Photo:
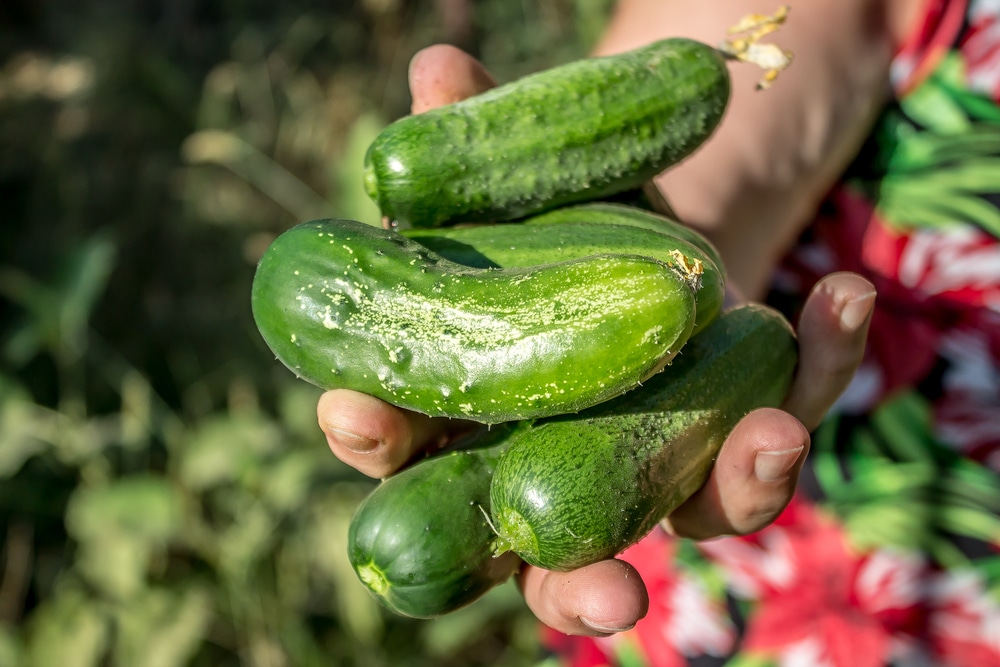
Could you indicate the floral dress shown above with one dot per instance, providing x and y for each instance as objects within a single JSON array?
[{"x": 890, "y": 553}]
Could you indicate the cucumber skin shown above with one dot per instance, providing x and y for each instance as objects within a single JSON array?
[
  {"x": 609, "y": 213},
  {"x": 582, "y": 131},
  {"x": 524, "y": 245},
  {"x": 574, "y": 490},
  {"x": 426, "y": 532},
  {"x": 347, "y": 305}
]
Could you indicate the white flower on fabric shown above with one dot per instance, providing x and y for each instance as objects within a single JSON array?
[
  {"x": 890, "y": 579},
  {"x": 959, "y": 258},
  {"x": 965, "y": 613},
  {"x": 699, "y": 629}
]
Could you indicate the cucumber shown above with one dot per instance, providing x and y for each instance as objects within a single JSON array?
[
  {"x": 421, "y": 541},
  {"x": 581, "y": 131},
  {"x": 525, "y": 245},
  {"x": 344, "y": 304},
  {"x": 609, "y": 213},
  {"x": 574, "y": 490}
]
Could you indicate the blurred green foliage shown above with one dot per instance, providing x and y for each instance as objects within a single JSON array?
[{"x": 165, "y": 495}]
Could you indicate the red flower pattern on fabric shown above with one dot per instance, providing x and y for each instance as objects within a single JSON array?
[
  {"x": 965, "y": 623},
  {"x": 966, "y": 415},
  {"x": 812, "y": 600},
  {"x": 980, "y": 48},
  {"x": 820, "y": 602},
  {"x": 683, "y": 621},
  {"x": 928, "y": 43},
  {"x": 854, "y": 238}
]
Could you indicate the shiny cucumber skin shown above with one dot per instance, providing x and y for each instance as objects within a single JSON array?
[
  {"x": 525, "y": 245},
  {"x": 581, "y": 131},
  {"x": 421, "y": 541},
  {"x": 347, "y": 305},
  {"x": 578, "y": 489},
  {"x": 608, "y": 213}
]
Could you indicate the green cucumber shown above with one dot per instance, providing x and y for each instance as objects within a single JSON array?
[
  {"x": 422, "y": 542},
  {"x": 581, "y": 131},
  {"x": 344, "y": 304},
  {"x": 525, "y": 245},
  {"x": 610, "y": 213},
  {"x": 577, "y": 489}
]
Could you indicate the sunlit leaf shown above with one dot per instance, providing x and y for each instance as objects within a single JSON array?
[
  {"x": 119, "y": 527},
  {"x": 69, "y": 630},
  {"x": 136, "y": 410},
  {"x": 245, "y": 539},
  {"x": 26, "y": 429},
  {"x": 162, "y": 627},
  {"x": 290, "y": 479},
  {"x": 223, "y": 448},
  {"x": 450, "y": 633},
  {"x": 115, "y": 563},
  {"x": 146, "y": 507},
  {"x": 327, "y": 538}
]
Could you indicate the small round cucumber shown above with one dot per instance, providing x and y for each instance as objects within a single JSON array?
[
  {"x": 348, "y": 305},
  {"x": 582, "y": 131},
  {"x": 577, "y": 489},
  {"x": 524, "y": 245},
  {"x": 421, "y": 541}
]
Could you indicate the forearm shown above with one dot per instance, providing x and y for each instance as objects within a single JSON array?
[{"x": 758, "y": 180}]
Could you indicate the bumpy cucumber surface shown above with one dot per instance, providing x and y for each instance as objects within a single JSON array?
[
  {"x": 581, "y": 131},
  {"x": 421, "y": 541},
  {"x": 526, "y": 245},
  {"x": 573, "y": 490},
  {"x": 344, "y": 304}
]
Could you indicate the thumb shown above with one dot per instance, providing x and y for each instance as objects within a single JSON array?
[{"x": 443, "y": 74}]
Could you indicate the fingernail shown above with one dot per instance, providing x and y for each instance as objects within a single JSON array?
[
  {"x": 855, "y": 311},
  {"x": 774, "y": 466},
  {"x": 604, "y": 629},
  {"x": 351, "y": 441}
]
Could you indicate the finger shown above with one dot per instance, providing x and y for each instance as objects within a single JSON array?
[
  {"x": 443, "y": 74},
  {"x": 752, "y": 480},
  {"x": 832, "y": 331},
  {"x": 373, "y": 436},
  {"x": 596, "y": 600}
]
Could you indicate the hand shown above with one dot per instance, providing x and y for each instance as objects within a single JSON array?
[{"x": 758, "y": 466}]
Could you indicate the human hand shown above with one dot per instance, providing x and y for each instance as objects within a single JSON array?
[{"x": 756, "y": 471}]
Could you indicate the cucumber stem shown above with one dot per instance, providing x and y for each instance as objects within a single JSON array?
[
  {"x": 746, "y": 48},
  {"x": 514, "y": 533}
]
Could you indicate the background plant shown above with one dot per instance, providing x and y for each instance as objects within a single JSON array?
[{"x": 165, "y": 496}]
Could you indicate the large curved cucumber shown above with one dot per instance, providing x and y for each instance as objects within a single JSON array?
[
  {"x": 526, "y": 245},
  {"x": 344, "y": 304}
]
